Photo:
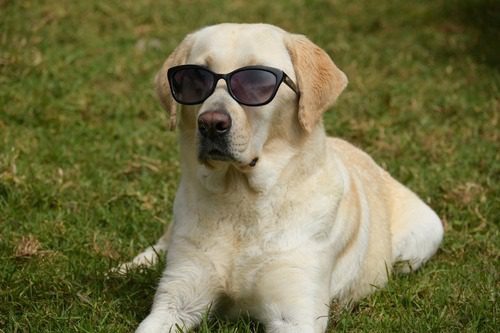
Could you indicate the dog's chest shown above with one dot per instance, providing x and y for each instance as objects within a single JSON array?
[
  {"x": 244, "y": 237},
  {"x": 272, "y": 223}
]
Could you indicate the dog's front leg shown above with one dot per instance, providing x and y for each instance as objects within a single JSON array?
[
  {"x": 186, "y": 291},
  {"x": 298, "y": 316},
  {"x": 296, "y": 299}
]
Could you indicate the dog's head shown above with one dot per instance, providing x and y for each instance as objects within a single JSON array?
[{"x": 224, "y": 129}]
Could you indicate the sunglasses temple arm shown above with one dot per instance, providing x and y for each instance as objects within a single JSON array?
[{"x": 290, "y": 83}]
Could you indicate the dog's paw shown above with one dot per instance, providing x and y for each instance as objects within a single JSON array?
[
  {"x": 124, "y": 268},
  {"x": 144, "y": 260},
  {"x": 155, "y": 323}
]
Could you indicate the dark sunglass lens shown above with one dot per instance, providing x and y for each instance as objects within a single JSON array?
[
  {"x": 192, "y": 85},
  {"x": 253, "y": 86}
]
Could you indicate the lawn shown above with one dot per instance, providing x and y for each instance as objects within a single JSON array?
[{"x": 88, "y": 168}]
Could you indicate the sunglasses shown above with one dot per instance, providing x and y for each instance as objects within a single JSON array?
[{"x": 251, "y": 86}]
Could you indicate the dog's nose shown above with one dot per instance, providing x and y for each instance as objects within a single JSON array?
[{"x": 213, "y": 124}]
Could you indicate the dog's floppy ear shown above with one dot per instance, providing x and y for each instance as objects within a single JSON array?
[
  {"x": 320, "y": 82},
  {"x": 177, "y": 57}
]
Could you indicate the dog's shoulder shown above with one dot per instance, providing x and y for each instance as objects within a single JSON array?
[{"x": 352, "y": 156}]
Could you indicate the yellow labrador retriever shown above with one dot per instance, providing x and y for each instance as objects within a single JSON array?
[{"x": 272, "y": 218}]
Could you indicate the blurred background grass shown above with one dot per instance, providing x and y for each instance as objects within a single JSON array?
[{"x": 88, "y": 170}]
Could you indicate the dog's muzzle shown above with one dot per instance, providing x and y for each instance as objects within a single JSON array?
[{"x": 213, "y": 130}]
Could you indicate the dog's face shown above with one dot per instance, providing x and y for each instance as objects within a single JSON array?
[
  {"x": 240, "y": 131},
  {"x": 224, "y": 131}
]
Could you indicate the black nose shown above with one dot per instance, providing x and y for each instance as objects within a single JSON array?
[{"x": 214, "y": 124}]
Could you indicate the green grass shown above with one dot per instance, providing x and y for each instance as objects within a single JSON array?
[{"x": 88, "y": 170}]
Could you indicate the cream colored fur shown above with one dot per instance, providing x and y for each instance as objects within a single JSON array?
[{"x": 315, "y": 220}]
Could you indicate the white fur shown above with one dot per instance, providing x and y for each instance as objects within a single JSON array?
[{"x": 316, "y": 219}]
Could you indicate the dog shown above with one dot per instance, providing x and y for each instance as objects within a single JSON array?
[{"x": 272, "y": 218}]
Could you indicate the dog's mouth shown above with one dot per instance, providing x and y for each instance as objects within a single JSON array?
[
  {"x": 214, "y": 155},
  {"x": 216, "y": 150},
  {"x": 212, "y": 151},
  {"x": 207, "y": 157}
]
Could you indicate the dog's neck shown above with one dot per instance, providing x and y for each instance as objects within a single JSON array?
[{"x": 279, "y": 161}]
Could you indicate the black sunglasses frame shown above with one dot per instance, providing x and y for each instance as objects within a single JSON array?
[{"x": 279, "y": 74}]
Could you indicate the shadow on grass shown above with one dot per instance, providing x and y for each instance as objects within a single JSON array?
[{"x": 482, "y": 19}]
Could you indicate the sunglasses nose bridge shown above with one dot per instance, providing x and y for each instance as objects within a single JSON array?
[
  {"x": 216, "y": 84},
  {"x": 223, "y": 77}
]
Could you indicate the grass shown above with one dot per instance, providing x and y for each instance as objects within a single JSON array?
[{"x": 88, "y": 170}]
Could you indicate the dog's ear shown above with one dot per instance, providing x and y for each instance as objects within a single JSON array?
[
  {"x": 177, "y": 57},
  {"x": 319, "y": 80}
]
